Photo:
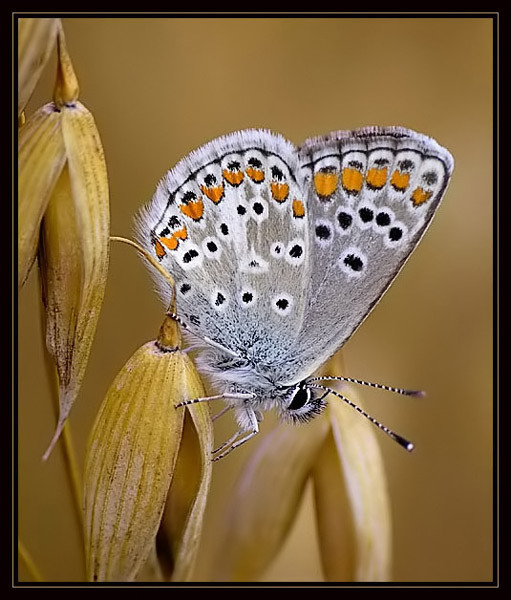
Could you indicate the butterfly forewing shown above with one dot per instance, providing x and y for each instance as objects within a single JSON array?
[{"x": 370, "y": 195}]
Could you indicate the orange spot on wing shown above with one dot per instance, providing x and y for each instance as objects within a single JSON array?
[
  {"x": 400, "y": 180},
  {"x": 298, "y": 209},
  {"x": 171, "y": 243},
  {"x": 257, "y": 175},
  {"x": 376, "y": 178},
  {"x": 233, "y": 177},
  {"x": 279, "y": 191},
  {"x": 194, "y": 209},
  {"x": 159, "y": 249},
  {"x": 325, "y": 183},
  {"x": 352, "y": 180},
  {"x": 181, "y": 234},
  {"x": 215, "y": 194},
  {"x": 419, "y": 196}
]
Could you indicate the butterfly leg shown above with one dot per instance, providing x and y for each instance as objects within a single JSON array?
[
  {"x": 226, "y": 396},
  {"x": 249, "y": 427}
]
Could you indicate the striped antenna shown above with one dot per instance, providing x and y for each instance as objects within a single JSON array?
[
  {"x": 397, "y": 438},
  {"x": 379, "y": 386}
]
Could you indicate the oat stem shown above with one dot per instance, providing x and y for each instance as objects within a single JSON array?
[
  {"x": 148, "y": 257},
  {"x": 67, "y": 440},
  {"x": 73, "y": 472},
  {"x": 24, "y": 555},
  {"x": 69, "y": 454},
  {"x": 70, "y": 459}
]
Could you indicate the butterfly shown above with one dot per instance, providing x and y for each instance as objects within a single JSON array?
[{"x": 279, "y": 253}]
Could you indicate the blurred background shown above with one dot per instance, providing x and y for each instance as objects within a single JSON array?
[{"x": 160, "y": 87}]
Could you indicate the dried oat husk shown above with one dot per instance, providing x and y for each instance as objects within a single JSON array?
[{"x": 136, "y": 454}]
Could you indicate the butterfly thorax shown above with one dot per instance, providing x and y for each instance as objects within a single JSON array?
[
  {"x": 239, "y": 374},
  {"x": 258, "y": 386}
]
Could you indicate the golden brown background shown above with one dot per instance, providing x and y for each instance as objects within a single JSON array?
[{"x": 158, "y": 88}]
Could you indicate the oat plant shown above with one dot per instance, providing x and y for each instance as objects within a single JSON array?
[{"x": 148, "y": 465}]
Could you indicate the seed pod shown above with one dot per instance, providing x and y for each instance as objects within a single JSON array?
[
  {"x": 132, "y": 455},
  {"x": 352, "y": 465},
  {"x": 63, "y": 176},
  {"x": 41, "y": 157},
  {"x": 265, "y": 499}
]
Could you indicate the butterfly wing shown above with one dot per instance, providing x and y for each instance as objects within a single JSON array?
[
  {"x": 370, "y": 196},
  {"x": 229, "y": 224},
  {"x": 279, "y": 254}
]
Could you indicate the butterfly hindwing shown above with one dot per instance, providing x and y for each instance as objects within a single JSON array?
[{"x": 229, "y": 223}]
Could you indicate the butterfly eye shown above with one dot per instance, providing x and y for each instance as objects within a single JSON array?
[
  {"x": 299, "y": 398},
  {"x": 304, "y": 403}
]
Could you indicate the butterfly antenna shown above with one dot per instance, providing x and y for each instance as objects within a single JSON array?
[
  {"x": 379, "y": 386},
  {"x": 397, "y": 438}
]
